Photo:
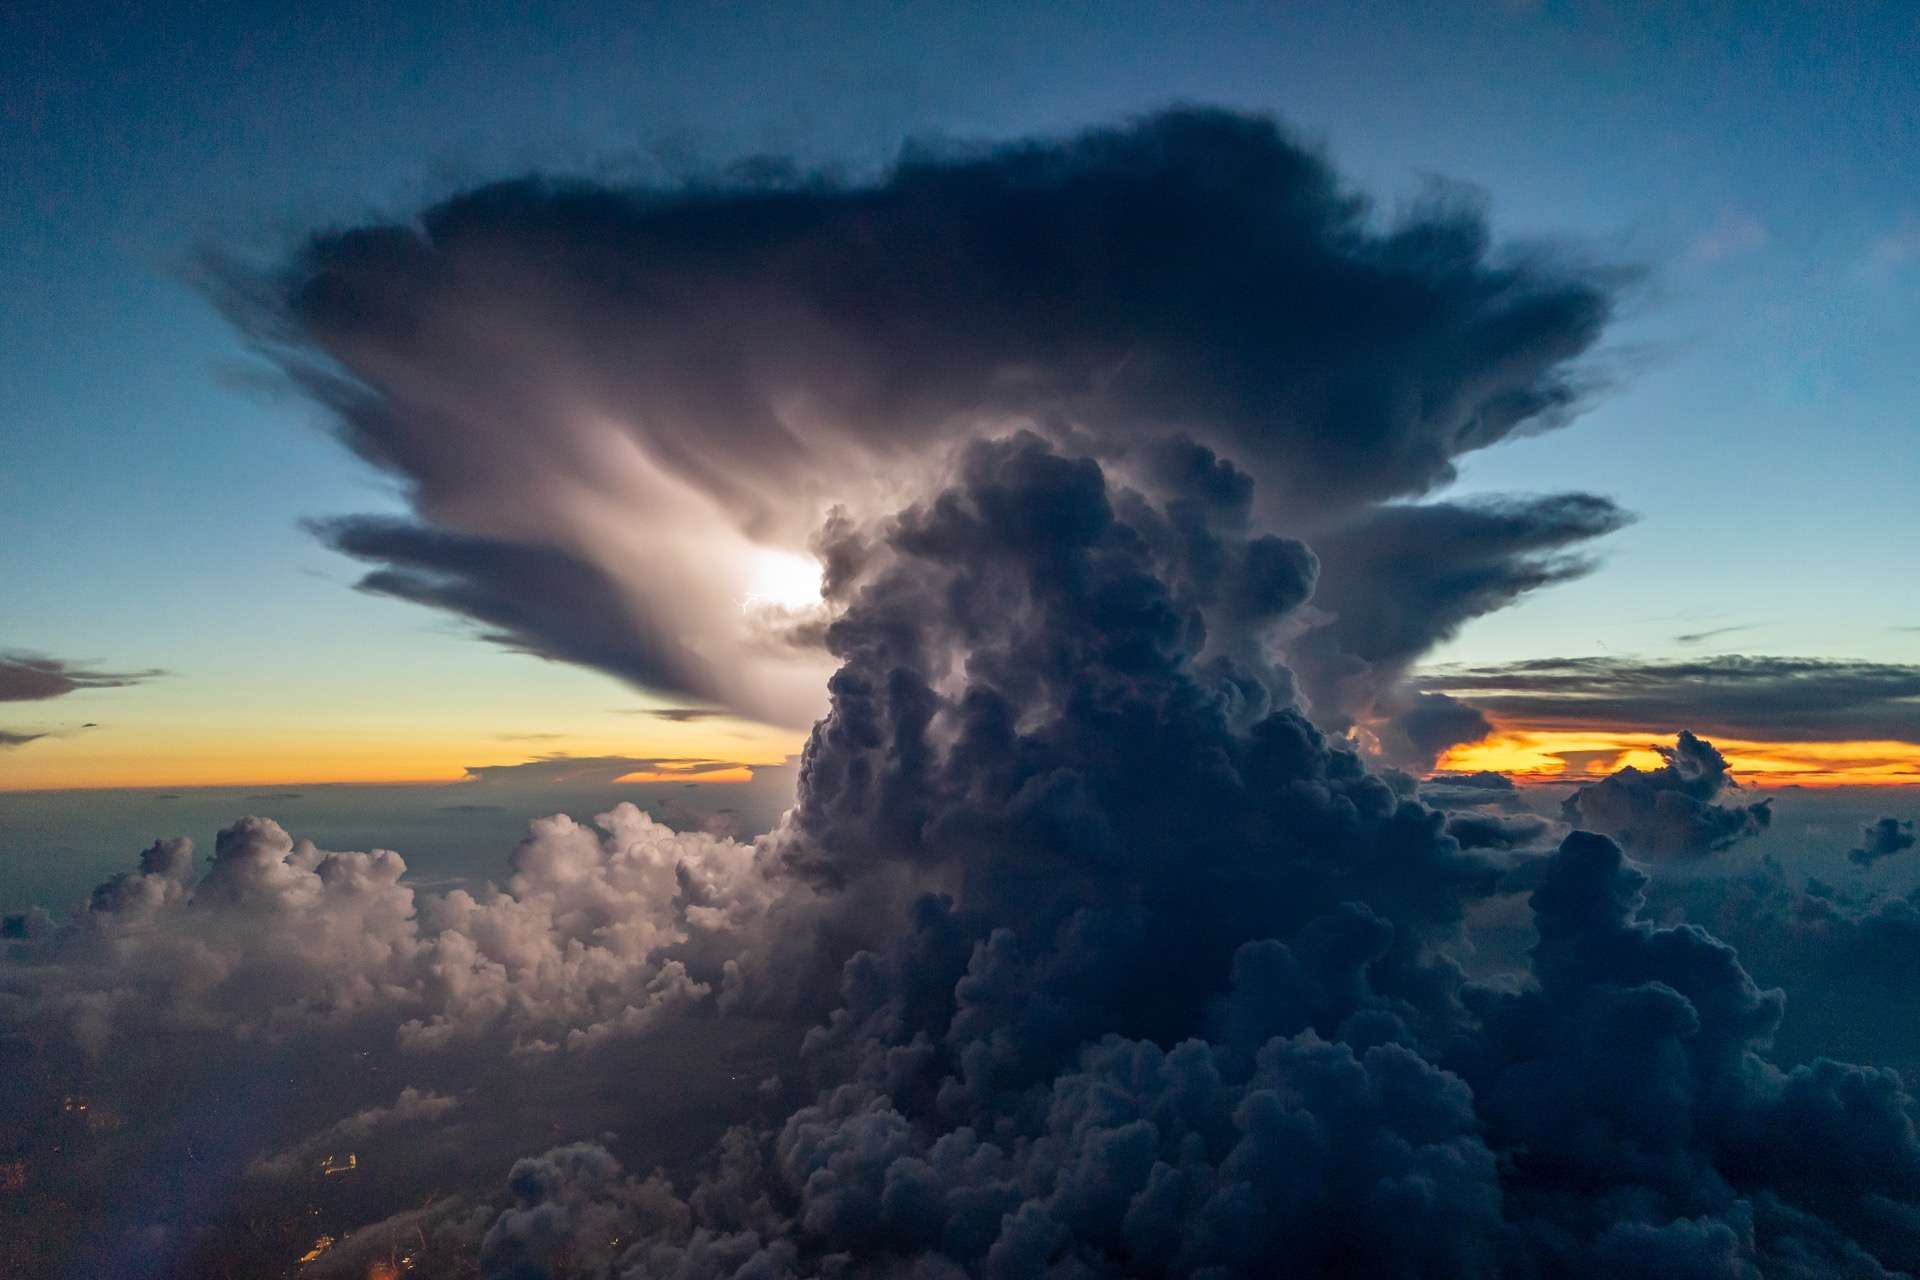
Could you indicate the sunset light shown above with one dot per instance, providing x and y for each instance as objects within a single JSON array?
[
  {"x": 862, "y": 641},
  {"x": 781, "y": 580},
  {"x": 1554, "y": 755}
]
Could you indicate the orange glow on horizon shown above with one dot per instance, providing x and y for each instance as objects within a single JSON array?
[
  {"x": 1562, "y": 755},
  {"x": 733, "y": 773},
  {"x": 727, "y": 754}
]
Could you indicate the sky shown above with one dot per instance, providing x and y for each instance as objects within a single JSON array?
[
  {"x": 871, "y": 641},
  {"x": 1756, "y": 162}
]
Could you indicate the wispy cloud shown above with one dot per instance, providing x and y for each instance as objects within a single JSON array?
[
  {"x": 1696, "y": 637},
  {"x": 1744, "y": 697},
  {"x": 679, "y": 715},
  {"x": 560, "y": 768},
  {"x": 27, "y": 677}
]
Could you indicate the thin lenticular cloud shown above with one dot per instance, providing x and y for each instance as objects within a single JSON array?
[{"x": 1739, "y": 696}]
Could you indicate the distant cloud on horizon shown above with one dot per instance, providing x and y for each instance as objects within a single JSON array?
[{"x": 1754, "y": 698}]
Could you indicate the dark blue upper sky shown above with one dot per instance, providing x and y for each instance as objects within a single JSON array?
[{"x": 1763, "y": 161}]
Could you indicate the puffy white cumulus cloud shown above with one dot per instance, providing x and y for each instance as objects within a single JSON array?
[
  {"x": 279, "y": 937},
  {"x": 575, "y": 940}
]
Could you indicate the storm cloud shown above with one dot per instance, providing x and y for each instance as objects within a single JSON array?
[
  {"x": 1082, "y": 950},
  {"x": 606, "y": 401},
  {"x": 1099, "y": 957}
]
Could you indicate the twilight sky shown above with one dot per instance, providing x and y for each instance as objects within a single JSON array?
[
  {"x": 1760, "y": 422},
  {"x": 1063, "y": 641}
]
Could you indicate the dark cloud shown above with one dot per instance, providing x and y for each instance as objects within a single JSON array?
[
  {"x": 1015, "y": 1085},
  {"x": 1670, "y": 812},
  {"x": 531, "y": 599},
  {"x": 561, "y": 768},
  {"x": 26, "y": 677},
  {"x": 1425, "y": 725},
  {"x": 8, "y": 738},
  {"x": 599, "y": 397},
  {"x": 1101, "y": 960},
  {"x": 1082, "y": 950},
  {"x": 1483, "y": 780},
  {"x": 1698, "y": 637},
  {"x": 679, "y": 715},
  {"x": 1846, "y": 958},
  {"x": 1494, "y": 831},
  {"x": 1484, "y": 789},
  {"x": 1401, "y": 579},
  {"x": 1882, "y": 838},
  {"x": 1793, "y": 699}
]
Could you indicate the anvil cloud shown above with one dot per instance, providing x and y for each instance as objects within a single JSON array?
[
  {"x": 1084, "y": 949},
  {"x": 605, "y": 401}
]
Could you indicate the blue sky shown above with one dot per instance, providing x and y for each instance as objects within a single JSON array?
[{"x": 1760, "y": 161}]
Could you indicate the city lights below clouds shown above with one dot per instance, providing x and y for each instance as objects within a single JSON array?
[{"x": 1557, "y": 755}]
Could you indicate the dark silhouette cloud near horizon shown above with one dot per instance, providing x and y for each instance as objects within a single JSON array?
[
  {"x": 1882, "y": 838},
  {"x": 1737, "y": 696}
]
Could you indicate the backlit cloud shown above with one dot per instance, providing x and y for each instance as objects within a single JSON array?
[
  {"x": 615, "y": 408},
  {"x": 1082, "y": 950}
]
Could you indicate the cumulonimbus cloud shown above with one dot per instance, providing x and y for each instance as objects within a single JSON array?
[
  {"x": 610, "y": 404},
  {"x": 1099, "y": 957},
  {"x": 1088, "y": 952}
]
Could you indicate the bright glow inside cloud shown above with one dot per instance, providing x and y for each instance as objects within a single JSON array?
[{"x": 781, "y": 580}]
